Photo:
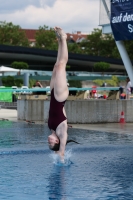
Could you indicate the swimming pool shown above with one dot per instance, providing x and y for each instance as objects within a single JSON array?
[{"x": 101, "y": 167}]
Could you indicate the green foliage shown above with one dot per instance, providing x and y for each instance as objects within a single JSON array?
[
  {"x": 114, "y": 81},
  {"x": 19, "y": 65},
  {"x": 31, "y": 82},
  {"x": 68, "y": 66},
  {"x": 46, "y": 38},
  {"x": 11, "y": 81},
  {"x": 102, "y": 66},
  {"x": 11, "y": 34},
  {"x": 111, "y": 83},
  {"x": 74, "y": 48},
  {"x": 115, "y": 53},
  {"x": 93, "y": 43},
  {"x": 73, "y": 83},
  {"x": 129, "y": 48},
  {"x": 99, "y": 82},
  {"x": 18, "y": 82},
  {"x": 98, "y": 44}
]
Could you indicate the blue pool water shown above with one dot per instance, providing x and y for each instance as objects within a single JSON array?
[{"x": 100, "y": 168}]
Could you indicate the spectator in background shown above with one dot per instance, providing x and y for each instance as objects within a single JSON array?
[
  {"x": 122, "y": 95},
  {"x": 38, "y": 84},
  {"x": 104, "y": 84},
  {"x": 87, "y": 94},
  {"x": 90, "y": 94},
  {"x": 94, "y": 92},
  {"x": 128, "y": 88},
  {"x": 104, "y": 96}
]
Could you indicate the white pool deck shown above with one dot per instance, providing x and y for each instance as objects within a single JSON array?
[{"x": 11, "y": 115}]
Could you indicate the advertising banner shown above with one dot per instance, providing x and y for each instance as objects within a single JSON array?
[
  {"x": 122, "y": 19},
  {"x": 6, "y": 96}
]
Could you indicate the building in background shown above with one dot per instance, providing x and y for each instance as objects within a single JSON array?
[{"x": 75, "y": 37}]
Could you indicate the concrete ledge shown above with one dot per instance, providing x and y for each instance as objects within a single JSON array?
[
  {"x": 32, "y": 97},
  {"x": 79, "y": 111},
  {"x": 98, "y": 111},
  {"x": 31, "y": 110}
]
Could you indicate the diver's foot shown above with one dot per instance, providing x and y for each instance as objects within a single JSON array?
[
  {"x": 60, "y": 33},
  {"x": 57, "y": 34}
]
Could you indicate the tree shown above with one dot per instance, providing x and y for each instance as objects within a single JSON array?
[
  {"x": 92, "y": 43},
  {"x": 19, "y": 65},
  {"x": 129, "y": 48},
  {"x": 102, "y": 66},
  {"x": 31, "y": 82},
  {"x": 107, "y": 46},
  {"x": 73, "y": 83},
  {"x": 98, "y": 44},
  {"x": 11, "y": 34},
  {"x": 11, "y": 81},
  {"x": 74, "y": 48},
  {"x": 46, "y": 38}
]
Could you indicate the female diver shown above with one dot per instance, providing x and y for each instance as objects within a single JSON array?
[{"x": 57, "y": 121}]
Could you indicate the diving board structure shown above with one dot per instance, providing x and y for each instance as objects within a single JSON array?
[{"x": 116, "y": 17}]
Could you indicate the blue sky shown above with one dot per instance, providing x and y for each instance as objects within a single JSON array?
[{"x": 71, "y": 15}]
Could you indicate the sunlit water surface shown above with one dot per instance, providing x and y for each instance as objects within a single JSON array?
[{"x": 99, "y": 168}]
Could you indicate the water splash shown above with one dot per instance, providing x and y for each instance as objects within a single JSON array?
[{"x": 65, "y": 162}]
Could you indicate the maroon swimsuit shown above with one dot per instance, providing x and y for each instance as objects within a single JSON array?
[{"x": 56, "y": 115}]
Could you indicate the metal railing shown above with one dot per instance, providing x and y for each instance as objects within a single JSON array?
[{"x": 46, "y": 89}]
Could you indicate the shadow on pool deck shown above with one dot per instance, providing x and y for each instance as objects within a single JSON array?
[{"x": 11, "y": 115}]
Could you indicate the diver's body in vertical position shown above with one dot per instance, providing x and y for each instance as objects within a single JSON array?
[{"x": 57, "y": 121}]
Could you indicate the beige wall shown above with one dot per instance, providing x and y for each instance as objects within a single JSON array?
[{"x": 79, "y": 111}]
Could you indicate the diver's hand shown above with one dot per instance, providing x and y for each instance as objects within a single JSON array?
[{"x": 62, "y": 159}]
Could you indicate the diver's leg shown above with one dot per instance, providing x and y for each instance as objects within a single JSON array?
[
  {"x": 60, "y": 85},
  {"x": 52, "y": 82}
]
